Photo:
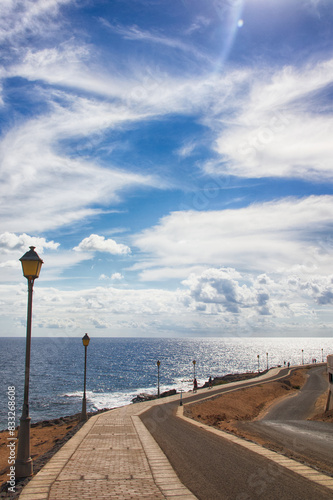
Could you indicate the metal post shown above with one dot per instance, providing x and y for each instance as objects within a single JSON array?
[
  {"x": 267, "y": 361},
  {"x": 84, "y": 400},
  {"x": 158, "y": 378},
  {"x": 258, "y": 356},
  {"x": 23, "y": 463},
  {"x": 302, "y": 357},
  {"x": 194, "y": 380}
]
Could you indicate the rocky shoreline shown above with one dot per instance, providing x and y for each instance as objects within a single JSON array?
[{"x": 225, "y": 379}]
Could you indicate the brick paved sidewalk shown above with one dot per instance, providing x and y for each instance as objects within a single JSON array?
[{"x": 111, "y": 456}]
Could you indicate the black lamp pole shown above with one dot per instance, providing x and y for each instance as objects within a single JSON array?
[
  {"x": 31, "y": 266},
  {"x": 158, "y": 378},
  {"x": 85, "y": 341}
]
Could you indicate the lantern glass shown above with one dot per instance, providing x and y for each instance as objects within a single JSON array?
[
  {"x": 86, "y": 340},
  {"x": 31, "y": 264}
]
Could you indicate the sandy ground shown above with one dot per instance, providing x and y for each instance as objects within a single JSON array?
[
  {"x": 222, "y": 411},
  {"x": 44, "y": 437},
  {"x": 225, "y": 411}
]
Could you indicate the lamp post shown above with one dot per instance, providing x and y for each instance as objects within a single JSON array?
[
  {"x": 302, "y": 356},
  {"x": 158, "y": 377},
  {"x": 322, "y": 355},
  {"x": 85, "y": 341},
  {"x": 258, "y": 356},
  {"x": 267, "y": 361},
  {"x": 31, "y": 266},
  {"x": 194, "y": 379}
]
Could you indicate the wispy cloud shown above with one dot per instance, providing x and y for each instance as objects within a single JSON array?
[
  {"x": 138, "y": 34},
  {"x": 275, "y": 237},
  {"x": 280, "y": 128},
  {"x": 31, "y": 17},
  {"x": 42, "y": 187}
]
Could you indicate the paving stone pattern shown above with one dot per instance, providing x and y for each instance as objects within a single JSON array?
[{"x": 113, "y": 456}]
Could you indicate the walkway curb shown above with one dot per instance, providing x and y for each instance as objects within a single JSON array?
[{"x": 288, "y": 463}]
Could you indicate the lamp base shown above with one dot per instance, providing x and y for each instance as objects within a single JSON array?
[
  {"x": 23, "y": 469},
  {"x": 84, "y": 410},
  {"x": 23, "y": 462}
]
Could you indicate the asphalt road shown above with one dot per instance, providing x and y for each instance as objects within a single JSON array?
[
  {"x": 216, "y": 469},
  {"x": 285, "y": 425},
  {"x": 299, "y": 407}
]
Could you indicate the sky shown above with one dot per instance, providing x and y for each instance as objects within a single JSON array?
[{"x": 172, "y": 164}]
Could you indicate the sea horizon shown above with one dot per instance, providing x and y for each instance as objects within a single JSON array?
[{"x": 119, "y": 368}]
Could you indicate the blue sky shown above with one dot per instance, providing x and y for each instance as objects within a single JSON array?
[{"x": 172, "y": 164}]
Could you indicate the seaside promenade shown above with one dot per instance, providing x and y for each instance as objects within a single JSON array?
[{"x": 113, "y": 456}]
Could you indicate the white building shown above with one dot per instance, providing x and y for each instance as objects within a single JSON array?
[{"x": 329, "y": 404}]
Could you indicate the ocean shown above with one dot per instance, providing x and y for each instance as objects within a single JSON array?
[{"x": 120, "y": 368}]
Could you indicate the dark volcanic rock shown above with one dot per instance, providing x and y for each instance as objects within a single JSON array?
[{"x": 139, "y": 398}]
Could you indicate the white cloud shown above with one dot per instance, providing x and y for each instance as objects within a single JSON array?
[
  {"x": 269, "y": 237},
  {"x": 138, "y": 34},
  {"x": 187, "y": 149},
  {"x": 113, "y": 277},
  {"x": 42, "y": 188},
  {"x": 117, "y": 276},
  {"x": 217, "y": 300},
  {"x": 96, "y": 243},
  {"x": 30, "y": 16},
  {"x": 280, "y": 128},
  {"x": 222, "y": 291},
  {"x": 11, "y": 241}
]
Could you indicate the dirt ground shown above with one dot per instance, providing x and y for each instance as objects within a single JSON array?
[
  {"x": 44, "y": 436},
  {"x": 247, "y": 404},
  {"x": 224, "y": 412}
]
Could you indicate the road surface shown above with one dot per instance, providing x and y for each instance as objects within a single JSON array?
[
  {"x": 216, "y": 469},
  {"x": 286, "y": 427}
]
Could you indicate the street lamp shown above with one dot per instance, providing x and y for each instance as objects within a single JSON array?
[
  {"x": 302, "y": 357},
  {"x": 31, "y": 266},
  {"x": 85, "y": 341},
  {"x": 258, "y": 356},
  {"x": 195, "y": 385},
  {"x": 322, "y": 355},
  {"x": 158, "y": 377},
  {"x": 267, "y": 361}
]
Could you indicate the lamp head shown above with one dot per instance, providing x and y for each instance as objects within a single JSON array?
[
  {"x": 31, "y": 264},
  {"x": 158, "y": 362},
  {"x": 86, "y": 340}
]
